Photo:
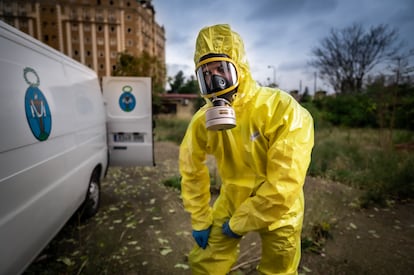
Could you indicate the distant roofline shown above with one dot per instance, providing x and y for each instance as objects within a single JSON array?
[{"x": 179, "y": 96}]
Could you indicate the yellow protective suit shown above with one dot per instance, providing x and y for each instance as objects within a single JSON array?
[{"x": 262, "y": 163}]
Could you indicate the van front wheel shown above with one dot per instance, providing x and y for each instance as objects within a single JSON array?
[{"x": 93, "y": 196}]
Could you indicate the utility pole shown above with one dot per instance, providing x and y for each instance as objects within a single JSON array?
[{"x": 274, "y": 73}]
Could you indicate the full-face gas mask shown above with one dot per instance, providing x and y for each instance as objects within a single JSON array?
[{"x": 218, "y": 79}]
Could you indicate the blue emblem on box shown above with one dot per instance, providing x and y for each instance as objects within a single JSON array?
[
  {"x": 37, "y": 109},
  {"x": 127, "y": 99}
]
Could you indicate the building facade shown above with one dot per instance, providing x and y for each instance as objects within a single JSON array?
[{"x": 92, "y": 32}]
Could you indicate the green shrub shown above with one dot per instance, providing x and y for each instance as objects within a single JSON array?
[{"x": 351, "y": 110}]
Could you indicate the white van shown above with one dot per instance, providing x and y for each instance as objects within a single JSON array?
[{"x": 53, "y": 145}]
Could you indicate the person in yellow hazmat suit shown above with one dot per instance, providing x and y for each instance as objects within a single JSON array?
[{"x": 262, "y": 140}]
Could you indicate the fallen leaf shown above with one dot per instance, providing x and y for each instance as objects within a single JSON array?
[
  {"x": 162, "y": 241},
  {"x": 75, "y": 253},
  {"x": 131, "y": 225},
  {"x": 166, "y": 250},
  {"x": 182, "y": 266},
  {"x": 307, "y": 269},
  {"x": 66, "y": 261}
]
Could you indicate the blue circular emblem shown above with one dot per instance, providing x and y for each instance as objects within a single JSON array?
[
  {"x": 127, "y": 99},
  {"x": 37, "y": 109}
]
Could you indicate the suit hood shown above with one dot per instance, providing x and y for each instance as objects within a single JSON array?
[{"x": 221, "y": 39}]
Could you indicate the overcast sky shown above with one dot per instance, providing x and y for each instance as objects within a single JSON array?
[{"x": 277, "y": 33}]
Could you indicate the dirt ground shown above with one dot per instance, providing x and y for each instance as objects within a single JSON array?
[{"x": 142, "y": 228}]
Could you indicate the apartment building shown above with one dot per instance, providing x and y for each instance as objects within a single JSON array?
[{"x": 90, "y": 31}]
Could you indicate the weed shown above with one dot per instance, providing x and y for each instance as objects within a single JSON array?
[
  {"x": 319, "y": 234},
  {"x": 174, "y": 182}
]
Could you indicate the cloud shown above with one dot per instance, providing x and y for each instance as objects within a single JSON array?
[{"x": 280, "y": 33}]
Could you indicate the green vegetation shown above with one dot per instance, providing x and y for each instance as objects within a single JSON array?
[
  {"x": 170, "y": 129},
  {"x": 319, "y": 234},
  {"x": 356, "y": 157},
  {"x": 353, "y": 156},
  {"x": 174, "y": 182}
]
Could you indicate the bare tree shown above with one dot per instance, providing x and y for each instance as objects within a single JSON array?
[
  {"x": 345, "y": 57},
  {"x": 401, "y": 66}
]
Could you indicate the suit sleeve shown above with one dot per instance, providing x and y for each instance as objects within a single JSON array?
[{"x": 195, "y": 179}]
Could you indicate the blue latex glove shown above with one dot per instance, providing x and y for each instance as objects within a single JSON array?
[
  {"x": 201, "y": 237},
  {"x": 228, "y": 232}
]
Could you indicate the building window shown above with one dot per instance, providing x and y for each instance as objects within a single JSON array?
[
  {"x": 86, "y": 14},
  {"x": 112, "y": 17},
  {"x": 8, "y": 8},
  {"x": 73, "y": 13},
  {"x": 100, "y": 41},
  {"x": 99, "y": 15},
  {"x": 130, "y": 43}
]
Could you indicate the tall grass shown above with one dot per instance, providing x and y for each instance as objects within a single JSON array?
[
  {"x": 170, "y": 129},
  {"x": 357, "y": 157}
]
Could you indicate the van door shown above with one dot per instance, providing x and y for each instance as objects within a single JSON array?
[{"x": 128, "y": 103}]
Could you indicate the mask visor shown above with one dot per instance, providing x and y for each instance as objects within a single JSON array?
[{"x": 216, "y": 76}]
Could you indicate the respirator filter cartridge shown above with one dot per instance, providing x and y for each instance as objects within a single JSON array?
[{"x": 220, "y": 118}]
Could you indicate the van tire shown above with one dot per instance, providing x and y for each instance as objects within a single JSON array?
[{"x": 93, "y": 197}]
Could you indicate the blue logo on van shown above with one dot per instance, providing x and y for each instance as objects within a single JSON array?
[
  {"x": 37, "y": 109},
  {"x": 127, "y": 99}
]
